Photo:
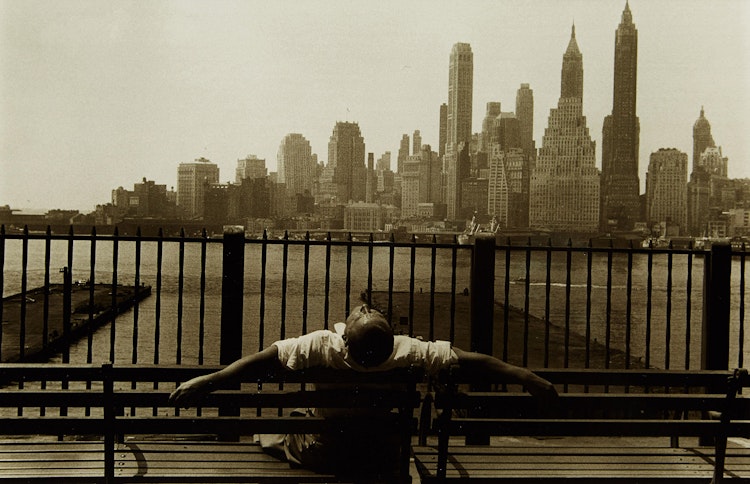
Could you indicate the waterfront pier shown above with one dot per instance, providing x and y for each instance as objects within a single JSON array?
[{"x": 35, "y": 326}]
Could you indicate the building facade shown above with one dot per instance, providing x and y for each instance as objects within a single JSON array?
[
  {"x": 192, "y": 182},
  {"x": 250, "y": 167},
  {"x": 564, "y": 185},
  {"x": 296, "y": 165},
  {"x": 666, "y": 189},
  {"x": 458, "y": 123},
  {"x": 620, "y": 191},
  {"x": 346, "y": 163}
]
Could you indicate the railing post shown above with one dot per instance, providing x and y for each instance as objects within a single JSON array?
[
  {"x": 482, "y": 309},
  {"x": 482, "y": 293},
  {"x": 717, "y": 271},
  {"x": 232, "y": 282}
]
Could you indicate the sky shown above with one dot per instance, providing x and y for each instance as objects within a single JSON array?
[{"x": 98, "y": 94}]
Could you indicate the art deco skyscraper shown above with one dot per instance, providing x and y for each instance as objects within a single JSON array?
[
  {"x": 295, "y": 164},
  {"x": 620, "y": 202},
  {"x": 564, "y": 185},
  {"x": 443, "y": 129},
  {"x": 460, "y": 93}
]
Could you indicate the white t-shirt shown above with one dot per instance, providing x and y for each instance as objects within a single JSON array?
[{"x": 324, "y": 348}]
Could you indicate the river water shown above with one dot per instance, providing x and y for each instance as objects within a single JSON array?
[{"x": 137, "y": 332}]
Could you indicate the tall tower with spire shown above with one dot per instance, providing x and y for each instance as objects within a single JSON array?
[
  {"x": 620, "y": 201},
  {"x": 564, "y": 185}
]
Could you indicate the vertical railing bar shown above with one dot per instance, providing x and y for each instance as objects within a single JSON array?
[
  {"x": 180, "y": 295},
  {"x": 433, "y": 260},
  {"x": 327, "y": 283},
  {"x": 45, "y": 309},
  {"x": 526, "y": 302},
  {"x": 370, "y": 249},
  {"x": 668, "y": 315},
  {"x": 112, "y": 324},
  {"x": 348, "y": 274},
  {"x": 305, "y": 282},
  {"x": 568, "y": 264},
  {"x": 262, "y": 315},
  {"x": 66, "y": 316},
  {"x": 688, "y": 304},
  {"x": 608, "y": 313},
  {"x": 284, "y": 282},
  {"x": 391, "y": 263},
  {"x": 137, "y": 288},
  {"x": 412, "y": 264},
  {"x": 92, "y": 298},
  {"x": 649, "y": 287},
  {"x": 24, "y": 289},
  {"x": 157, "y": 304},
  {"x": 202, "y": 308},
  {"x": 506, "y": 302},
  {"x": 2, "y": 283},
  {"x": 547, "y": 296},
  {"x": 454, "y": 265},
  {"x": 589, "y": 285},
  {"x": 741, "y": 358},
  {"x": 628, "y": 306}
]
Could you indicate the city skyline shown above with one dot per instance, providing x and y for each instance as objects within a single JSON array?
[{"x": 81, "y": 118}]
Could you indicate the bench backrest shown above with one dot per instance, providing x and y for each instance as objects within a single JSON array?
[
  {"x": 133, "y": 399},
  {"x": 595, "y": 403}
]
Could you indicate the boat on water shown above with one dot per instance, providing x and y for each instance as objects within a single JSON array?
[{"x": 473, "y": 228}]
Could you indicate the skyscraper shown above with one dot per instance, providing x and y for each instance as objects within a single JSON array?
[
  {"x": 488, "y": 125},
  {"x": 346, "y": 156},
  {"x": 295, "y": 164},
  {"x": 416, "y": 142},
  {"x": 525, "y": 115},
  {"x": 443, "y": 129},
  {"x": 460, "y": 92},
  {"x": 458, "y": 129},
  {"x": 192, "y": 181},
  {"x": 702, "y": 138},
  {"x": 564, "y": 186},
  {"x": 403, "y": 153},
  {"x": 620, "y": 202},
  {"x": 666, "y": 189}
]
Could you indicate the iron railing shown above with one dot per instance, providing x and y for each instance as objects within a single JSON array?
[{"x": 578, "y": 305}]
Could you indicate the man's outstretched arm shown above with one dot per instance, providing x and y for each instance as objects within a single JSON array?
[
  {"x": 493, "y": 368},
  {"x": 249, "y": 367}
]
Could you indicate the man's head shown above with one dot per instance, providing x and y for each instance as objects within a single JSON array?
[{"x": 368, "y": 336}]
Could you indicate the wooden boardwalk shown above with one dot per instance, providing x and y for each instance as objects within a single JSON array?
[
  {"x": 506, "y": 460},
  {"x": 585, "y": 459}
]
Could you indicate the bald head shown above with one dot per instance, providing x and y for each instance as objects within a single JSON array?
[{"x": 369, "y": 337}]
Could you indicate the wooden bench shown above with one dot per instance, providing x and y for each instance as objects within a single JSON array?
[
  {"x": 89, "y": 423},
  {"x": 604, "y": 426}
]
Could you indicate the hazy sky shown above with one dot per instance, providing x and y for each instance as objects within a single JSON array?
[{"x": 99, "y": 94}]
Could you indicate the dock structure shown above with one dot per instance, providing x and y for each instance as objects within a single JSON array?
[{"x": 33, "y": 323}]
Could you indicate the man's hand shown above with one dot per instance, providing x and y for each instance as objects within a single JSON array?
[
  {"x": 543, "y": 391},
  {"x": 190, "y": 392}
]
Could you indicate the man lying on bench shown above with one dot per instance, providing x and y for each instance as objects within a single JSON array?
[{"x": 365, "y": 342}]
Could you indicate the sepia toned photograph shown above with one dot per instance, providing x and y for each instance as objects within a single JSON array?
[{"x": 374, "y": 242}]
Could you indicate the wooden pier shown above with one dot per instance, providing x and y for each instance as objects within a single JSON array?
[{"x": 23, "y": 322}]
